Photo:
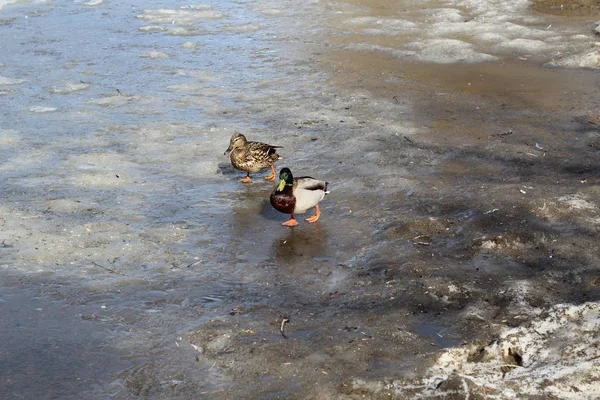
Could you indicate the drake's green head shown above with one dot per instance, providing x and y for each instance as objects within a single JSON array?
[{"x": 285, "y": 178}]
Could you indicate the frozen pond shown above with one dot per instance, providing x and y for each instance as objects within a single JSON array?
[{"x": 460, "y": 139}]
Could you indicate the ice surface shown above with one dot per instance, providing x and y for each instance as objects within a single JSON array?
[
  {"x": 552, "y": 363},
  {"x": 42, "y": 109},
  {"x": 10, "y": 81},
  {"x": 70, "y": 87},
  {"x": 447, "y": 51},
  {"x": 191, "y": 45},
  {"x": 156, "y": 54},
  {"x": 114, "y": 178},
  {"x": 589, "y": 59},
  {"x": 577, "y": 202},
  {"x": 186, "y": 15},
  {"x": 487, "y": 29},
  {"x": 7, "y": 2}
]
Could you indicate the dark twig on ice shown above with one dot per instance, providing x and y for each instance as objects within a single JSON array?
[
  {"x": 509, "y": 132},
  {"x": 112, "y": 271},
  {"x": 281, "y": 329}
]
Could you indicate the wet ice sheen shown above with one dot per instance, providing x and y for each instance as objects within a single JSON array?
[{"x": 114, "y": 188}]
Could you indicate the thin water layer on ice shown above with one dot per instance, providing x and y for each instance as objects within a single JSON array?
[{"x": 463, "y": 197}]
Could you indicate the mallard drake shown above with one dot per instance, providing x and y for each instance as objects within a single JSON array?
[
  {"x": 296, "y": 195},
  {"x": 252, "y": 156}
]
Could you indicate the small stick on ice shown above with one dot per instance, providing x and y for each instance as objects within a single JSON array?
[
  {"x": 281, "y": 329},
  {"x": 112, "y": 271}
]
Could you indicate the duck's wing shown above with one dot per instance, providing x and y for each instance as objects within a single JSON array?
[
  {"x": 308, "y": 192},
  {"x": 310, "y": 183},
  {"x": 263, "y": 152}
]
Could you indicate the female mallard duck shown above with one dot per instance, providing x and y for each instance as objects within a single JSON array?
[
  {"x": 252, "y": 156},
  {"x": 295, "y": 196}
]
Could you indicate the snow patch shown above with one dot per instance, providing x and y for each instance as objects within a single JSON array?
[
  {"x": 42, "y": 109},
  {"x": 577, "y": 203},
  {"x": 590, "y": 59},
  {"x": 9, "y": 81},
  {"x": 191, "y": 45},
  {"x": 558, "y": 356},
  {"x": 156, "y": 54},
  {"x": 184, "y": 16},
  {"x": 525, "y": 45},
  {"x": 466, "y": 31},
  {"x": 446, "y": 51},
  {"x": 70, "y": 88}
]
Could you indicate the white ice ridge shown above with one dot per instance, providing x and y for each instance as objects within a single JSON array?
[
  {"x": 184, "y": 16},
  {"x": 9, "y": 81},
  {"x": 7, "y": 2}
]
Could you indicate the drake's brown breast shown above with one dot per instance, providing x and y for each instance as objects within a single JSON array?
[{"x": 283, "y": 202}]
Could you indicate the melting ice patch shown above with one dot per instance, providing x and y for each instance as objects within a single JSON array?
[
  {"x": 247, "y": 28},
  {"x": 558, "y": 355},
  {"x": 186, "y": 87},
  {"x": 184, "y": 16},
  {"x": 447, "y": 51},
  {"x": 382, "y": 26},
  {"x": 156, "y": 54},
  {"x": 70, "y": 88},
  {"x": 119, "y": 100},
  {"x": 9, "y": 137},
  {"x": 590, "y": 59},
  {"x": 178, "y": 22},
  {"x": 525, "y": 45},
  {"x": 9, "y": 81},
  {"x": 191, "y": 46},
  {"x": 494, "y": 9},
  {"x": 4, "y": 3},
  {"x": 42, "y": 109},
  {"x": 577, "y": 202},
  {"x": 7, "y": 2},
  {"x": 459, "y": 32},
  {"x": 199, "y": 74},
  {"x": 93, "y": 3}
]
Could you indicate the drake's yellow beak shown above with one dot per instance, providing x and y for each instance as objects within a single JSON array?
[{"x": 281, "y": 185}]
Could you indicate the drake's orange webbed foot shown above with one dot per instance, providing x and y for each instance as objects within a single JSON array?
[
  {"x": 315, "y": 217},
  {"x": 291, "y": 222},
  {"x": 246, "y": 180}
]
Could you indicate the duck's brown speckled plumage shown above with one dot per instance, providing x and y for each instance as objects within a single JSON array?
[{"x": 251, "y": 156}]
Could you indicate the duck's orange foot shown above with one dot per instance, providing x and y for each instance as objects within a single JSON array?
[
  {"x": 315, "y": 217},
  {"x": 272, "y": 176},
  {"x": 312, "y": 219},
  {"x": 291, "y": 222},
  {"x": 246, "y": 180}
]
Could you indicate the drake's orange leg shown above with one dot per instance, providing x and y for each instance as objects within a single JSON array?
[
  {"x": 272, "y": 176},
  {"x": 315, "y": 217},
  {"x": 291, "y": 222},
  {"x": 246, "y": 179}
]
